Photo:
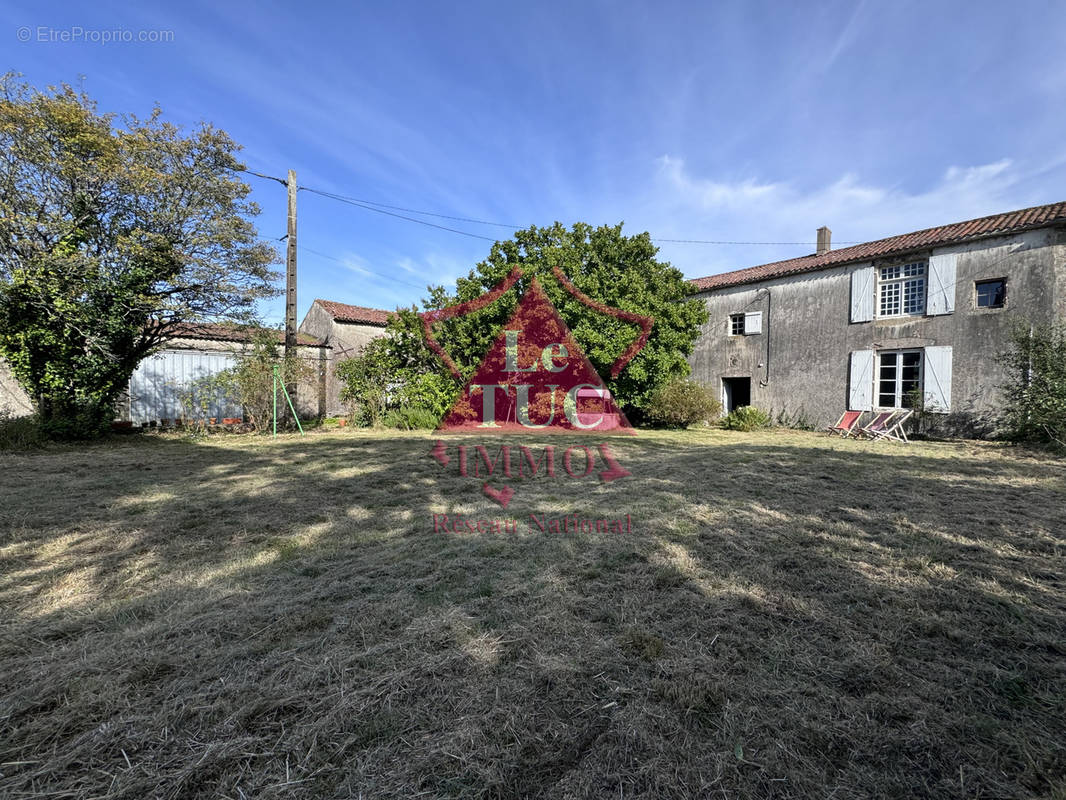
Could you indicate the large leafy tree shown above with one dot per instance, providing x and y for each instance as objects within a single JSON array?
[
  {"x": 113, "y": 232},
  {"x": 603, "y": 263}
]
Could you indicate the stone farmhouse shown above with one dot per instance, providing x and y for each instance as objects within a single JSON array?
[
  {"x": 346, "y": 330},
  {"x": 878, "y": 325}
]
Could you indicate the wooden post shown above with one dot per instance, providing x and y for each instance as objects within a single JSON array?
[{"x": 290, "y": 285}]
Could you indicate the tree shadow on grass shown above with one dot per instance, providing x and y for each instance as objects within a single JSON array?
[{"x": 789, "y": 619}]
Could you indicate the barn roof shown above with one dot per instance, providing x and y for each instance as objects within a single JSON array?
[
  {"x": 360, "y": 315},
  {"x": 995, "y": 225},
  {"x": 226, "y": 332}
]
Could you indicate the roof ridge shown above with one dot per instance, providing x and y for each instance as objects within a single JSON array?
[
  {"x": 349, "y": 312},
  {"x": 964, "y": 230}
]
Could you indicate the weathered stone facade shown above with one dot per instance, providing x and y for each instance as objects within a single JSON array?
[
  {"x": 346, "y": 330},
  {"x": 800, "y": 364}
]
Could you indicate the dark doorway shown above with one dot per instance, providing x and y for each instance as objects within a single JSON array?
[{"x": 737, "y": 392}]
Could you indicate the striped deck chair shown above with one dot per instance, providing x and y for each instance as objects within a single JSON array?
[
  {"x": 894, "y": 428},
  {"x": 876, "y": 428},
  {"x": 847, "y": 423}
]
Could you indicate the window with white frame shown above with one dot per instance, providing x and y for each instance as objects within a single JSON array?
[
  {"x": 901, "y": 290},
  {"x": 736, "y": 324},
  {"x": 899, "y": 378}
]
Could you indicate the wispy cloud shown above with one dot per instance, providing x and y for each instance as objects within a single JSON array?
[
  {"x": 764, "y": 211},
  {"x": 846, "y": 37}
]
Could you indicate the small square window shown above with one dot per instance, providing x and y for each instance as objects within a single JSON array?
[
  {"x": 991, "y": 294},
  {"x": 736, "y": 324}
]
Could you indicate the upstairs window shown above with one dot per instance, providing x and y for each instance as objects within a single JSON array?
[
  {"x": 991, "y": 294},
  {"x": 746, "y": 324},
  {"x": 901, "y": 290}
]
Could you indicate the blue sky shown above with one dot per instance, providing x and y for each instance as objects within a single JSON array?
[{"x": 735, "y": 121}]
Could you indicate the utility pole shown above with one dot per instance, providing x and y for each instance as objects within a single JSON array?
[{"x": 290, "y": 284}]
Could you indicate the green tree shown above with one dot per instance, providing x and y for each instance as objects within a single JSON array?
[
  {"x": 113, "y": 233},
  {"x": 620, "y": 271},
  {"x": 1035, "y": 393}
]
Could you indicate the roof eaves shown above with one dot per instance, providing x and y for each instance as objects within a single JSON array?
[{"x": 858, "y": 258}]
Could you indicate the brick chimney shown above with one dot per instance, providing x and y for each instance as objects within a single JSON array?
[{"x": 823, "y": 240}]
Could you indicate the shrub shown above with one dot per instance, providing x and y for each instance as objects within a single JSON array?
[
  {"x": 1035, "y": 393},
  {"x": 796, "y": 420},
  {"x": 746, "y": 418},
  {"x": 251, "y": 380},
  {"x": 410, "y": 418},
  {"x": 20, "y": 433},
  {"x": 366, "y": 379},
  {"x": 680, "y": 403},
  {"x": 431, "y": 391},
  {"x": 378, "y": 381},
  {"x": 197, "y": 396}
]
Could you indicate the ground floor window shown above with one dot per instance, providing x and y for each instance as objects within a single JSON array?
[{"x": 899, "y": 378}]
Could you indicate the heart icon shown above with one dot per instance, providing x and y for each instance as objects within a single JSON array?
[{"x": 502, "y": 496}]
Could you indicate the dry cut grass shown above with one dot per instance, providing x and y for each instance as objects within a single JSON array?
[{"x": 791, "y": 617}]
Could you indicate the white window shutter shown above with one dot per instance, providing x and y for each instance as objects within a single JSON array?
[
  {"x": 937, "y": 384},
  {"x": 752, "y": 322},
  {"x": 941, "y": 285},
  {"x": 861, "y": 384},
  {"x": 862, "y": 295}
]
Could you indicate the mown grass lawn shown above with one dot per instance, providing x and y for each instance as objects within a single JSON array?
[{"x": 792, "y": 616}]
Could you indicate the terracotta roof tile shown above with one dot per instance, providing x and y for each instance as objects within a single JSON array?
[
  {"x": 342, "y": 312},
  {"x": 997, "y": 224}
]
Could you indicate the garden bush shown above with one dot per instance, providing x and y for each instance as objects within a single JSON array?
[
  {"x": 411, "y": 418},
  {"x": 19, "y": 433},
  {"x": 681, "y": 403},
  {"x": 746, "y": 418}
]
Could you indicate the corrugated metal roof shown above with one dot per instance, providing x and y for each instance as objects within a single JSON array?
[{"x": 997, "y": 224}]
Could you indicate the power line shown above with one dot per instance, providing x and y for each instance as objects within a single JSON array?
[
  {"x": 371, "y": 272},
  {"x": 412, "y": 210},
  {"x": 399, "y": 216},
  {"x": 373, "y": 205},
  {"x": 706, "y": 241},
  {"x": 282, "y": 181}
]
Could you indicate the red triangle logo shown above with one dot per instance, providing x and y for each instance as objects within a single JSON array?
[{"x": 535, "y": 378}]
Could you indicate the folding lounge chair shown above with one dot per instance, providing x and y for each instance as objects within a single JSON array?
[
  {"x": 846, "y": 425},
  {"x": 894, "y": 427},
  {"x": 878, "y": 424}
]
